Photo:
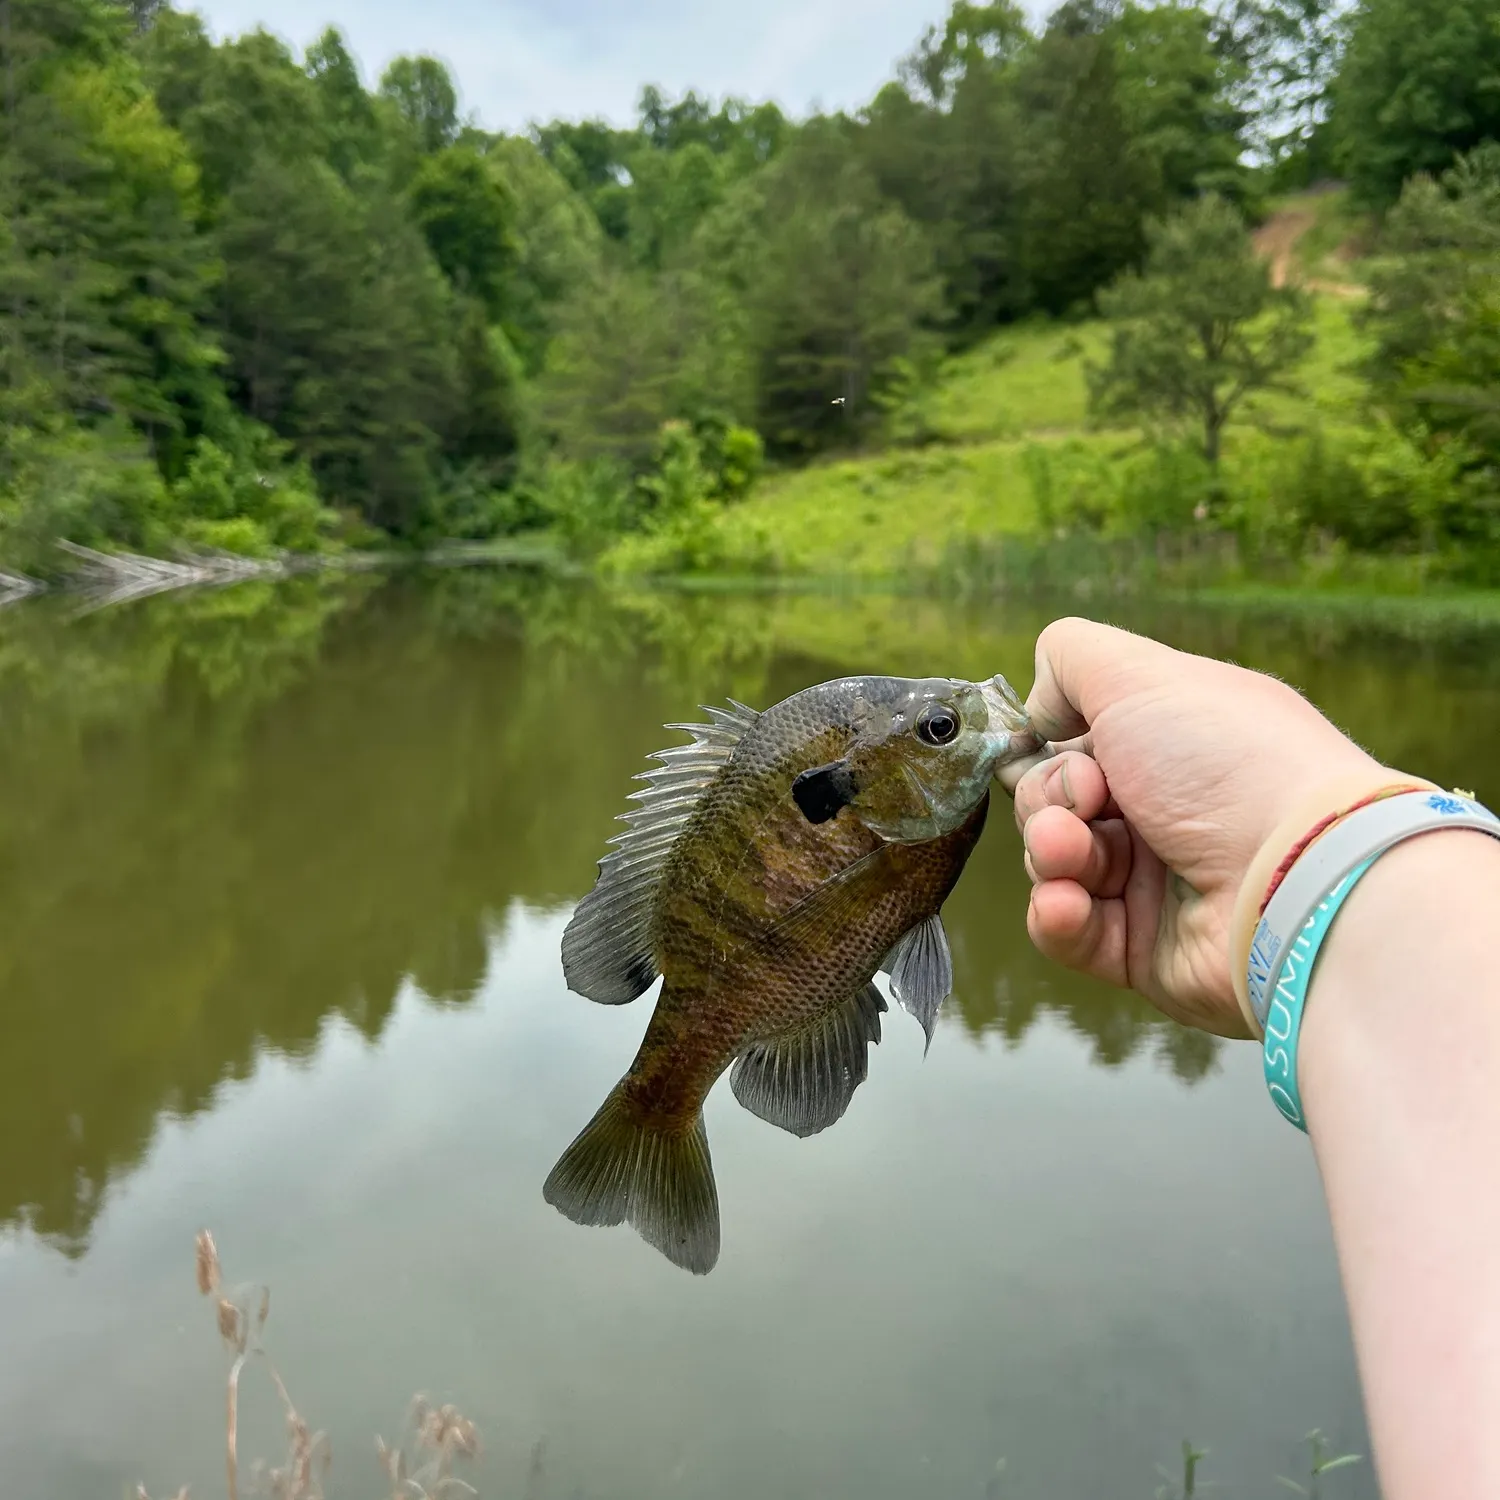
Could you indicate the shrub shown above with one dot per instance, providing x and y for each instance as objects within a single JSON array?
[
  {"x": 94, "y": 486},
  {"x": 246, "y": 476}
]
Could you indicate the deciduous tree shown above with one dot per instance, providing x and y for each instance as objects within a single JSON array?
[{"x": 1200, "y": 330}]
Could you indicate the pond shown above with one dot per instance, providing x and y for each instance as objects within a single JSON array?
[{"x": 284, "y": 871}]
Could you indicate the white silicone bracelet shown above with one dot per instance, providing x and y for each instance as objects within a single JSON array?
[{"x": 1365, "y": 833}]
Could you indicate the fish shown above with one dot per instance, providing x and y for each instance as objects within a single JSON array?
[{"x": 773, "y": 867}]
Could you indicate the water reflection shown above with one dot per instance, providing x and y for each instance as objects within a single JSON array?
[{"x": 227, "y": 816}]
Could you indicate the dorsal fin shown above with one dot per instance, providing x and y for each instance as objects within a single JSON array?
[{"x": 608, "y": 951}]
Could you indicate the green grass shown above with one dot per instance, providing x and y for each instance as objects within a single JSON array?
[
  {"x": 1332, "y": 390},
  {"x": 1027, "y": 380},
  {"x": 883, "y": 515},
  {"x": 1411, "y": 615}
]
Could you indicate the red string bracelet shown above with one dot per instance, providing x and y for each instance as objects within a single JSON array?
[{"x": 1317, "y": 830}]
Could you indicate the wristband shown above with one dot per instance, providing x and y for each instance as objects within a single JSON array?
[
  {"x": 1355, "y": 840},
  {"x": 1297, "y": 918},
  {"x": 1283, "y": 1025},
  {"x": 1310, "y": 811}
]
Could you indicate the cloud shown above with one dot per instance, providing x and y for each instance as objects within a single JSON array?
[{"x": 522, "y": 60}]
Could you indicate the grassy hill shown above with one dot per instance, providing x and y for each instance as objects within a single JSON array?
[
  {"x": 1000, "y": 445},
  {"x": 995, "y": 410}
]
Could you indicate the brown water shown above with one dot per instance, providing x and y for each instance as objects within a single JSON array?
[{"x": 283, "y": 875}]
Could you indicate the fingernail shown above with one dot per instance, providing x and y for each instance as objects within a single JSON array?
[{"x": 1058, "y": 783}]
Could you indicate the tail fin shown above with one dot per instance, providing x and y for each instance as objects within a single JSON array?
[{"x": 626, "y": 1166}]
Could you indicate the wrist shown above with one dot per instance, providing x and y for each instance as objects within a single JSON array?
[{"x": 1429, "y": 901}]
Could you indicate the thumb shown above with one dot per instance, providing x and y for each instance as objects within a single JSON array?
[{"x": 1082, "y": 667}]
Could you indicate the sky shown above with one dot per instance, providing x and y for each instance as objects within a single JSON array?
[{"x": 519, "y": 61}]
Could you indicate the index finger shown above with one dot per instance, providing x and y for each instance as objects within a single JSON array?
[{"x": 1081, "y": 666}]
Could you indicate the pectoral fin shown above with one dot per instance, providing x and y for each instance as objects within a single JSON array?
[
  {"x": 803, "y": 1080},
  {"x": 818, "y": 920},
  {"x": 921, "y": 970}
]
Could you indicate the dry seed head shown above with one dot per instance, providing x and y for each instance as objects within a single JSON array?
[
  {"x": 230, "y": 1323},
  {"x": 445, "y": 1429},
  {"x": 464, "y": 1435},
  {"x": 207, "y": 1263}
]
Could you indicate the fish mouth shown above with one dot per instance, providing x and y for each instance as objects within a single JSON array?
[{"x": 1010, "y": 724}]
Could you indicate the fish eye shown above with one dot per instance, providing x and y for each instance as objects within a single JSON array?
[{"x": 937, "y": 725}]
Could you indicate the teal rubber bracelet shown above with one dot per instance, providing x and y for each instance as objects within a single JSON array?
[{"x": 1284, "y": 1017}]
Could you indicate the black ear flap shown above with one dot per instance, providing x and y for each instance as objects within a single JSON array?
[{"x": 821, "y": 791}]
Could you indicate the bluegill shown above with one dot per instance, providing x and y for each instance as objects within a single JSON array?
[{"x": 774, "y": 865}]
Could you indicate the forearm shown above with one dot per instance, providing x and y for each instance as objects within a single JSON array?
[{"x": 1400, "y": 1075}]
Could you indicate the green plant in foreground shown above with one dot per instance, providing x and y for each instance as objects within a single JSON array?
[
  {"x": 1191, "y": 1484},
  {"x": 1321, "y": 1464}
]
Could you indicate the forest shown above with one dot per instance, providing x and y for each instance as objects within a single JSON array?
[{"x": 251, "y": 302}]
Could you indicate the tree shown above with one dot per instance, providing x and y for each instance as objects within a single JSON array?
[
  {"x": 1288, "y": 53},
  {"x": 1178, "y": 92},
  {"x": 422, "y": 92},
  {"x": 341, "y": 334},
  {"x": 350, "y": 126},
  {"x": 1435, "y": 316},
  {"x": 834, "y": 285},
  {"x": 235, "y": 104},
  {"x": 462, "y": 209},
  {"x": 1200, "y": 330},
  {"x": 589, "y": 154},
  {"x": 946, "y": 144},
  {"x": 633, "y": 351},
  {"x": 103, "y": 275},
  {"x": 1418, "y": 87},
  {"x": 559, "y": 244},
  {"x": 1089, "y": 184},
  {"x": 671, "y": 192},
  {"x": 975, "y": 40}
]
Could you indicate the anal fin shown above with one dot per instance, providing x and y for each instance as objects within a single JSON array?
[{"x": 803, "y": 1080}]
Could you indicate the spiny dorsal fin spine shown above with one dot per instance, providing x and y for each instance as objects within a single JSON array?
[{"x": 609, "y": 944}]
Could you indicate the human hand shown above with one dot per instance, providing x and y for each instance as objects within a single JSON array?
[{"x": 1166, "y": 774}]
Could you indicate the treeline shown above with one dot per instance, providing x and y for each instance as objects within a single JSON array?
[{"x": 248, "y": 302}]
